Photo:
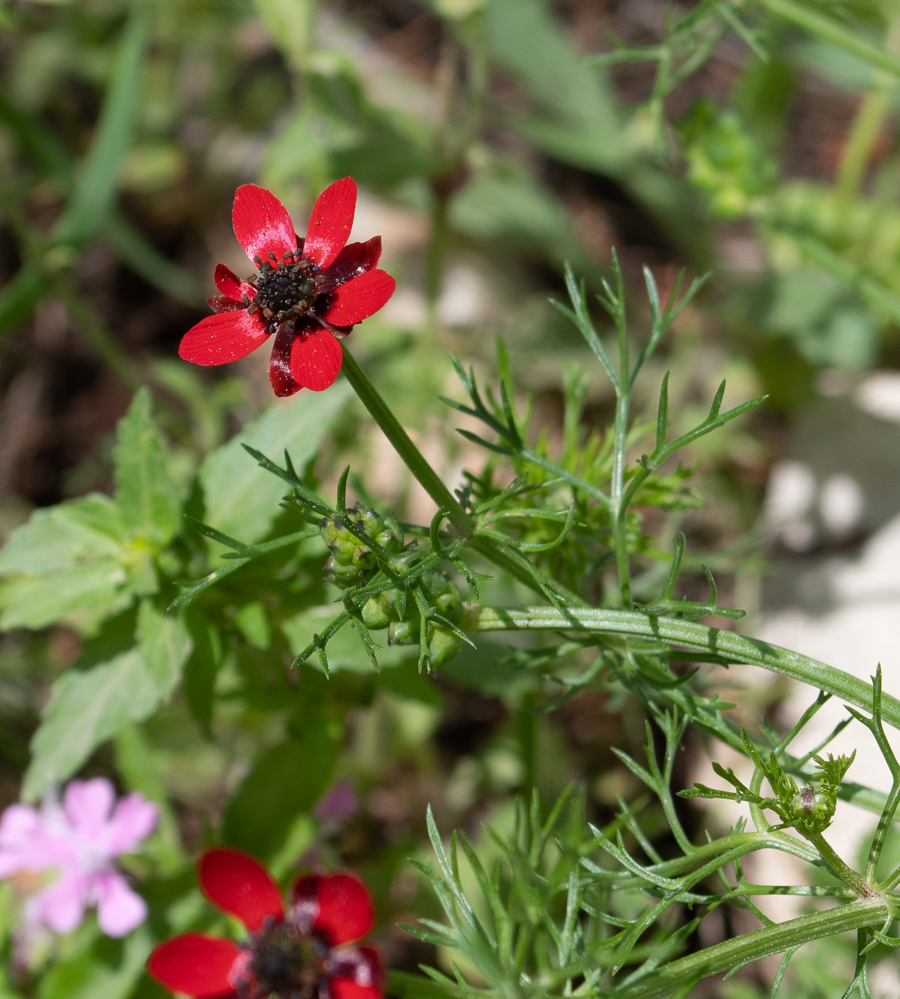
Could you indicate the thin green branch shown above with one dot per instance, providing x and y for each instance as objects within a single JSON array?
[{"x": 728, "y": 645}]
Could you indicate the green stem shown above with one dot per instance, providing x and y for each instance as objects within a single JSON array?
[
  {"x": 437, "y": 246},
  {"x": 753, "y": 946},
  {"x": 412, "y": 457},
  {"x": 727, "y": 646},
  {"x": 841, "y": 868},
  {"x": 619, "y": 497},
  {"x": 863, "y": 136}
]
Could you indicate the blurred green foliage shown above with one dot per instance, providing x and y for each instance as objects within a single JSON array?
[{"x": 513, "y": 139}]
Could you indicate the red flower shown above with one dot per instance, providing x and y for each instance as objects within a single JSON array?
[
  {"x": 307, "y": 292},
  {"x": 306, "y": 952}
]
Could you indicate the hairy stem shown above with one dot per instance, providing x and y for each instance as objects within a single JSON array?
[
  {"x": 725, "y": 645},
  {"x": 753, "y": 946}
]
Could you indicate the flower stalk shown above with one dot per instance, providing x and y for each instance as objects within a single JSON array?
[
  {"x": 412, "y": 457},
  {"x": 726, "y": 646}
]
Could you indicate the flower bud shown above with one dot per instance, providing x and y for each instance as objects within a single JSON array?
[
  {"x": 443, "y": 594},
  {"x": 403, "y": 632},
  {"x": 812, "y": 809},
  {"x": 374, "y": 614},
  {"x": 442, "y": 644},
  {"x": 352, "y": 561}
]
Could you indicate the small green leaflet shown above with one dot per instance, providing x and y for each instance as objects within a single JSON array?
[
  {"x": 164, "y": 644},
  {"x": 85, "y": 560},
  {"x": 73, "y": 563},
  {"x": 87, "y": 707},
  {"x": 147, "y": 499}
]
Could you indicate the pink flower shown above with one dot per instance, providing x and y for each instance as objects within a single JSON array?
[{"x": 77, "y": 840}]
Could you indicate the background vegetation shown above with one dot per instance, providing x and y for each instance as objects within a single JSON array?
[{"x": 494, "y": 141}]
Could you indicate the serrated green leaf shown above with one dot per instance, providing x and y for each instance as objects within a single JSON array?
[
  {"x": 146, "y": 497},
  {"x": 86, "y": 708},
  {"x": 241, "y": 498},
  {"x": 71, "y": 563},
  {"x": 165, "y": 644}
]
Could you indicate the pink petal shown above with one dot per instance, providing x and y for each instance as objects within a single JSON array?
[
  {"x": 119, "y": 909},
  {"x": 61, "y": 905},
  {"x": 262, "y": 224},
  {"x": 223, "y": 338},
  {"x": 280, "y": 376},
  {"x": 132, "y": 820},
  {"x": 87, "y": 804},
  {"x": 231, "y": 285},
  {"x": 9, "y": 864},
  {"x": 194, "y": 964},
  {"x": 30, "y": 841},
  {"x": 17, "y": 826},
  {"x": 238, "y": 884},
  {"x": 355, "y": 259},
  {"x": 360, "y": 298},
  {"x": 316, "y": 359},
  {"x": 330, "y": 223}
]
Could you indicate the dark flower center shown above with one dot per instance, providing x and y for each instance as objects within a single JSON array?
[
  {"x": 286, "y": 291},
  {"x": 281, "y": 961}
]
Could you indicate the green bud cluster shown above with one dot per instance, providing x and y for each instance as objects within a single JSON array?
[
  {"x": 399, "y": 613},
  {"x": 443, "y": 595},
  {"x": 352, "y": 561}
]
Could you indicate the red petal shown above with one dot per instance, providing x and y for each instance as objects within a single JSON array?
[
  {"x": 222, "y": 303},
  {"x": 353, "y": 260},
  {"x": 346, "y": 988},
  {"x": 316, "y": 359},
  {"x": 261, "y": 223},
  {"x": 280, "y": 376},
  {"x": 345, "y": 908},
  {"x": 231, "y": 285},
  {"x": 223, "y": 338},
  {"x": 239, "y": 885},
  {"x": 330, "y": 222},
  {"x": 360, "y": 298},
  {"x": 194, "y": 964}
]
